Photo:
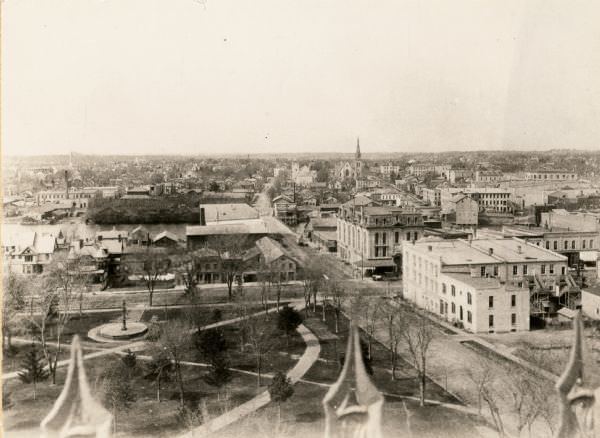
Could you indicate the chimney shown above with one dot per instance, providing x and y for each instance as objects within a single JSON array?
[
  {"x": 67, "y": 183},
  {"x": 202, "y": 217},
  {"x": 491, "y": 251},
  {"x": 519, "y": 249},
  {"x": 80, "y": 243}
]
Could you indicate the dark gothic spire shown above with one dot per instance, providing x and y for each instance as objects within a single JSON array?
[{"x": 357, "y": 148}]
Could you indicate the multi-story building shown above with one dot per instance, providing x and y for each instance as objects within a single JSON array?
[
  {"x": 565, "y": 233},
  {"x": 389, "y": 168},
  {"x": 552, "y": 175},
  {"x": 488, "y": 176},
  {"x": 28, "y": 252},
  {"x": 77, "y": 197},
  {"x": 455, "y": 175},
  {"x": 371, "y": 238},
  {"x": 466, "y": 210},
  {"x": 285, "y": 210},
  {"x": 496, "y": 200},
  {"x": 487, "y": 285},
  {"x": 432, "y": 196}
]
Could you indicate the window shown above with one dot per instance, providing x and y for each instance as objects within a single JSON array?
[
  {"x": 524, "y": 269},
  {"x": 28, "y": 258},
  {"x": 563, "y": 270},
  {"x": 515, "y": 270},
  {"x": 443, "y": 288},
  {"x": 469, "y": 298},
  {"x": 491, "y": 321},
  {"x": 491, "y": 302},
  {"x": 513, "y": 300},
  {"x": 552, "y": 269},
  {"x": 453, "y": 290},
  {"x": 376, "y": 239},
  {"x": 591, "y": 243},
  {"x": 469, "y": 318},
  {"x": 483, "y": 271},
  {"x": 384, "y": 238},
  {"x": 547, "y": 244},
  {"x": 513, "y": 318},
  {"x": 583, "y": 243},
  {"x": 408, "y": 236},
  {"x": 566, "y": 244},
  {"x": 572, "y": 244},
  {"x": 543, "y": 269},
  {"x": 453, "y": 306},
  {"x": 441, "y": 307},
  {"x": 396, "y": 237},
  {"x": 555, "y": 245},
  {"x": 495, "y": 271}
]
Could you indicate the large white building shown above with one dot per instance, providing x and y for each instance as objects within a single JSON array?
[
  {"x": 487, "y": 285},
  {"x": 552, "y": 175}
]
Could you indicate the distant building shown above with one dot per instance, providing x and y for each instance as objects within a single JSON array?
[
  {"x": 76, "y": 197},
  {"x": 466, "y": 210},
  {"x": 488, "y": 176},
  {"x": 165, "y": 239},
  {"x": 552, "y": 175},
  {"x": 285, "y": 210},
  {"x": 371, "y": 238},
  {"x": 487, "y": 285},
  {"x": 389, "y": 168}
]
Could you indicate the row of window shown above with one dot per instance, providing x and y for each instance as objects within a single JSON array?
[{"x": 573, "y": 244}]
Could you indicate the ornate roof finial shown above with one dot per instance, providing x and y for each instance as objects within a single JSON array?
[
  {"x": 357, "y": 148},
  {"x": 75, "y": 411},
  {"x": 353, "y": 405},
  {"x": 579, "y": 413}
]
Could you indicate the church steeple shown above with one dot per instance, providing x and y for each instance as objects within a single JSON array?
[{"x": 357, "y": 156}]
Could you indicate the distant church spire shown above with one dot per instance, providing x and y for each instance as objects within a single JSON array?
[{"x": 357, "y": 148}]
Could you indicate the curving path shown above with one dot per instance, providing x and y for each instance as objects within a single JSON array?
[{"x": 309, "y": 357}]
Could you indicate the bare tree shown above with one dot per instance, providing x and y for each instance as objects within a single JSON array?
[
  {"x": 261, "y": 336},
  {"x": 394, "y": 327},
  {"x": 174, "y": 340},
  {"x": 481, "y": 376},
  {"x": 13, "y": 300},
  {"x": 187, "y": 264},
  {"x": 418, "y": 335},
  {"x": 56, "y": 293},
  {"x": 156, "y": 263},
  {"x": 337, "y": 300},
  {"x": 367, "y": 310},
  {"x": 311, "y": 280},
  {"x": 230, "y": 250}
]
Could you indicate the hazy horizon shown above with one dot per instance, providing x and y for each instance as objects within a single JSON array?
[{"x": 197, "y": 77}]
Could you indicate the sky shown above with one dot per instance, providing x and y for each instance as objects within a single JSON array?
[{"x": 275, "y": 76}]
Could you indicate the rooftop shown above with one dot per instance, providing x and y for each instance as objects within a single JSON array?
[
  {"x": 480, "y": 282},
  {"x": 486, "y": 251},
  {"x": 228, "y": 212},
  {"x": 262, "y": 225}
]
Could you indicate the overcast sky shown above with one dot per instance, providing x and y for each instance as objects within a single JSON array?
[{"x": 187, "y": 76}]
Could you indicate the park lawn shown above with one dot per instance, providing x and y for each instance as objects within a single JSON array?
[
  {"x": 280, "y": 357},
  {"x": 303, "y": 416},
  {"x": 146, "y": 416}
]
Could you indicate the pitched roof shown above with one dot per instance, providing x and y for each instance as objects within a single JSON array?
[
  {"x": 165, "y": 235},
  {"x": 270, "y": 249}
]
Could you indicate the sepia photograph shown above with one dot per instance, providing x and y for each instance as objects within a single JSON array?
[{"x": 300, "y": 219}]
